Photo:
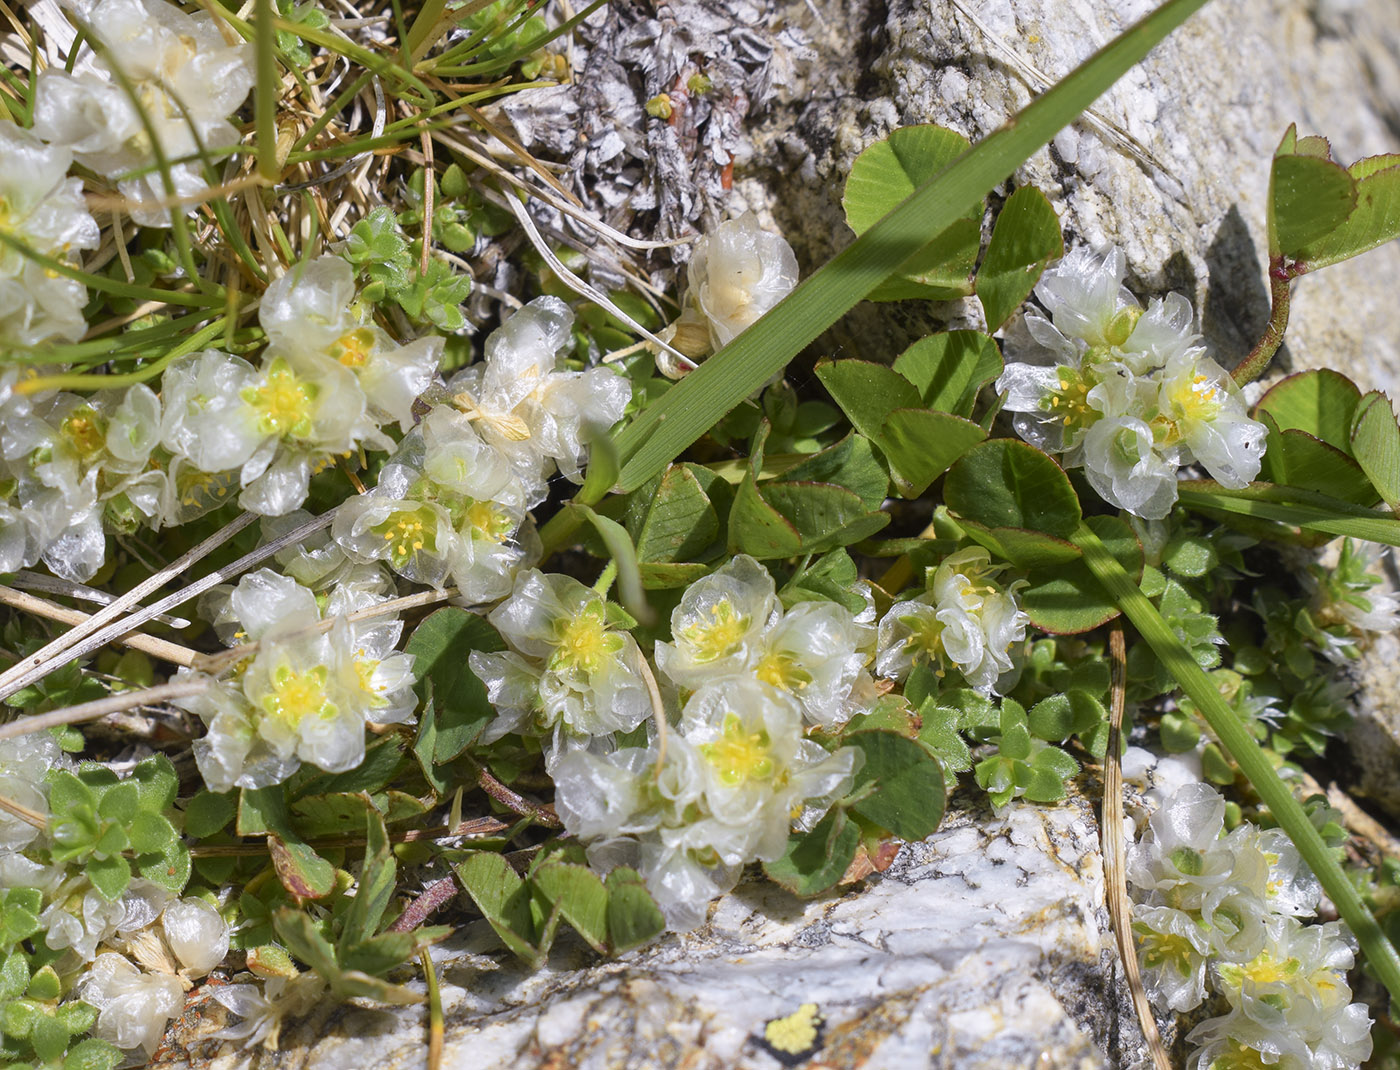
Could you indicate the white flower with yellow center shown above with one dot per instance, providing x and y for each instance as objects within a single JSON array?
[
  {"x": 311, "y": 312},
  {"x": 590, "y": 681},
  {"x": 964, "y": 619},
  {"x": 539, "y": 417},
  {"x": 42, "y": 209},
  {"x": 720, "y": 624},
  {"x": 1204, "y": 416}
]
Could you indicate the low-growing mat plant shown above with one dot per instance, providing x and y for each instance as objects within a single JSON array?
[{"x": 240, "y": 308}]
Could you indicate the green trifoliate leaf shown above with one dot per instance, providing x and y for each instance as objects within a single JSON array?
[
  {"x": 908, "y": 784},
  {"x": 1006, "y": 483},
  {"x": 578, "y": 895},
  {"x": 633, "y": 916},
  {"x": 1320, "y": 402},
  {"x": 1066, "y": 599},
  {"x": 209, "y": 812},
  {"x": 1309, "y": 199},
  {"x": 440, "y": 646}
]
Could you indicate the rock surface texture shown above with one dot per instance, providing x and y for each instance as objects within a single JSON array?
[
  {"x": 982, "y": 947},
  {"x": 987, "y": 945}
]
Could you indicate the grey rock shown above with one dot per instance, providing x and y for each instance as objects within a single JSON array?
[{"x": 982, "y": 947}]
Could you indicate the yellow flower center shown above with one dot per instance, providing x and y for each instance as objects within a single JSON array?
[
  {"x": 296, "y": 695},
  {"x": 781, "y": 669},
  {"x": 925, "y": 636},
  {"x": 1239, "y": 1057},
  {"x": 1200, "y": 400},
  {"x": 407, "y": 533},
  {"x": 285, "y": 404},
  {"x": 1071, "y": 402},
  {"x": 720, "y": 635},
  {"x": 364, "y": 677},
  {"x": 85, "y": 429},
  {"x": 353, "y": 349},
  {"x": 739, "y": 755},
  {"x": 1167, "y": 950},
  {"x": 489, "y": 521},
  {"x": 584, "y": 642}
]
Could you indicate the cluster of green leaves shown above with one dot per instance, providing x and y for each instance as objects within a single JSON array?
[
  {"x": 382, "y": 253},
  {"x": 36, "y": 1029},
  {"x": 612, "y": 915},
  {"x": 460, "y": 213},
  {"x": 108, "y": 826},
  {"x": 899, "y": 793}
]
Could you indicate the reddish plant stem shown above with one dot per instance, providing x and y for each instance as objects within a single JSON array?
[
  {"x": 435, "y": 895},
  {"x": 1281, "y": 276}
]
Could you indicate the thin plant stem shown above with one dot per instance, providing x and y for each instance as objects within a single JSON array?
[
  {"x": 91, "y": 711},
  {"x": 147, "y": 644},
  {"x": 1281, "y": 277},
  {"x": 265, "y": 98},
  {"x": 1248, "y": 755}
]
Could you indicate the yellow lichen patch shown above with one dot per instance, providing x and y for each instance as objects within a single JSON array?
[
  {"x": 712, "y": 639},
  {"x": 795, "y": 1036},
  {"x": 739, "y": 755}
]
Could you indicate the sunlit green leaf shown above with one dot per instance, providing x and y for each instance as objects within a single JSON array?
[
  {"x": 949, "y": 369},
  {"x": 1375, "y": 443},
  {"x": 814, "y": 861},
  {"x": 1066, "y": 599},
  {"x": 1008, "y": 483},
  {"x": 1026, "y": 238}
]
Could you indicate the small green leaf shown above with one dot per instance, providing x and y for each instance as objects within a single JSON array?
[
  {"x": 867, "y": 393},
  {"x": 884, "y": 175},
  {"x": 624, "y": 555},
  {"x": 46, "y": 986},
  {"x": 1374, "y": 221},
  {"x": 921, "y": 444},
  {"x": 815, "y": 861},
  {"x": 1067, "y": 599},
  {"x": 633, "y": 916},
  {"x": 949, "y": 369},
  {"x": 908, "y": 796},
  {"x": 1375, "y": 443},
  {"x": 1007, "y": 483},
  {"x": 150, "y": 833},
  {"x": 304, "y": 873},
  {"x": 299, "y": 933},
  {"x": 440, "y": 646},
  {"x": 209, "y": 812},
  {"x": 157, "y": 781},
  {"x": 939, "y": 733},
  {"x": 850, "y": 463},
  {"x": 1026, "y": 238},
  {"x": 75, "y": 1015},
  {"x": 1309, "y": 198},
  {"x": 1297, "y": 459},
  {"x": 681, "y": 522},
  {"x": 1022, "y": 548},
  {"x": 375, "y": 887},
  {"x": 109, "y": 876},
  {"x": 578, "y": 894},
  {"x": 504, "y": 900},
  {"x": 169, "y": 868},
  {"x": 48, "y": 1038},
  {"x": 92, "y": 1054},
  {"x": 1321, "y": 402}
]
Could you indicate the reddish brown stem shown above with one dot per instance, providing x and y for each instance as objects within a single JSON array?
[
  {"x": 1281, "y": 276},
  {"x": 435, "y": 895}
]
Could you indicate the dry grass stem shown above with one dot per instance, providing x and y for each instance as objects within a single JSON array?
[
  {"x": 147, "y": 644},
  {"x": 91, "y": 711}
]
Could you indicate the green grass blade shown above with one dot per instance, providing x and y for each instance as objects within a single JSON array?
[
  {"x": 1341, "y": 518},
  {"x": 265, "y": 90},
  {"x": 693, "y": 406},
  {"x": 1247, "y": 754}
]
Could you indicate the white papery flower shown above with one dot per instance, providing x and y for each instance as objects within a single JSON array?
[
  {"x": 737, "y": 272},
  {"x": 43, "y": 209},
  {"x": 134, "y": 1007},
  {"x": 264, "y": 1010},
  {"x": 196, "y": 933},
  {"x": 306, "y": 694},
  {"x": 1174, "y": 950},
  {"x": 277, "y": 424},
  {"x": 591, "y": 680},
  {"x": 1128, "y": 394},
  {"x": 311, "y": 312},
  {"x": 720, "y": 624},
  {"x": 185, "y": 82},
  {"x": 963, "y": 619},
  {"x": 537, "y": 416}
]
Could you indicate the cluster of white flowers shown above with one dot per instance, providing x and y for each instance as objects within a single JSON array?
[
  {"x": 727, "y": 774},
  {"x": 737, "y": 272},
  {"x": 1129, "y": 394},
  {"x": 963, "y": 619},
  {"x": 42, "y": 209},
  {"x": 452, "y": 502},
  {"x": 159, "y": 86},
  {"x": 311, "y": 686},
  {"x": 74, "y": 467},
  {"x": 133, "y": 957},
  {"x": 1223, "y": 910}
]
